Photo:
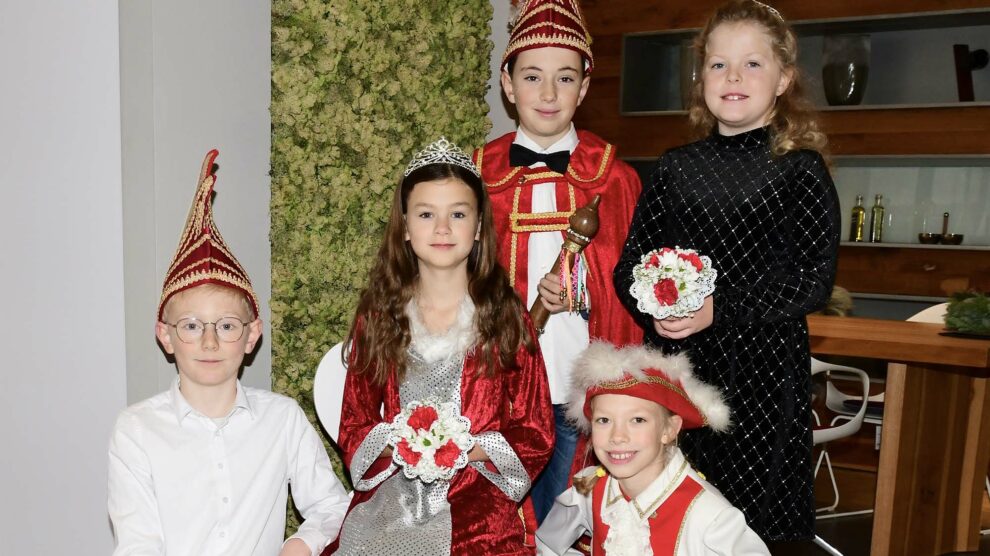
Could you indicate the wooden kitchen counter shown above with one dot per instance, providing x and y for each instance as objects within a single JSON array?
[{"x": 935, "y": 442}]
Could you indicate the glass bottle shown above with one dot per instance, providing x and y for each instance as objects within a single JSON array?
[
  {"x": 857, "y": 223},
  {"x": 876, "y": 220}
]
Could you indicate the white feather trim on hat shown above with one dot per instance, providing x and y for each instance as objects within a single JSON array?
[{"x": 603, "y": 362}]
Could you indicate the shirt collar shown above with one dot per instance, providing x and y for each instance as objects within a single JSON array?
[
  {"x": 183, "y": 409},
  {"x": 659, "y": 490},
  {"x": 568, "y": 142}
]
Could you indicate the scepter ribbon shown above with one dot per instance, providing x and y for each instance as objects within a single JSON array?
[{"x": 582, "y": 228}]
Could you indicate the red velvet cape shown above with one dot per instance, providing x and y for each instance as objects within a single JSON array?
[{"x": 515, "y": 403}]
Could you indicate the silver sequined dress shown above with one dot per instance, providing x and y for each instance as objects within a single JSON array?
[{"x": 771, "y": 227}]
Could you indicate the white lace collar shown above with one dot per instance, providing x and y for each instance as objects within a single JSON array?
[{"x": 455, "y": 342}]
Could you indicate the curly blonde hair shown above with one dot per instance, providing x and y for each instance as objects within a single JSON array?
[{"x": 793, "y": 120}]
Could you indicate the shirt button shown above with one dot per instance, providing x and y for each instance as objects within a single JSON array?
[
  {"x": 225, "y": 499},
  {"x": 219, "y": 466},
  {"x": 223, "y": 534}
]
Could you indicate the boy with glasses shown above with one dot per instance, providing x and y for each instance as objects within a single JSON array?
[{"x": 203, "y": 468}]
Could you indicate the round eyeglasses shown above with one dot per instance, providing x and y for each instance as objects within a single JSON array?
[{"x": 229, "y": 329}]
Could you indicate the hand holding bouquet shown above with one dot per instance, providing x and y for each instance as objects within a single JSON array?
[
  {"x": 672, "y": 282},
  {"x": 430, "y": 441}
]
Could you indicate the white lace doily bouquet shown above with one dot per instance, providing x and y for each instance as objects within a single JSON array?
[
  {"x": 430, "y": 441},
  {"x": 672, "y": 282}
]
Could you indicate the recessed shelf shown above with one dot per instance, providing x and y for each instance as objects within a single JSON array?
[{"x": 911, "y": 62}]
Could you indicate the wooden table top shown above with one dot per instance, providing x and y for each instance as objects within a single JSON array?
[{"x": 899, "y": 341}]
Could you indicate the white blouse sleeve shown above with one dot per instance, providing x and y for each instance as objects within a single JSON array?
[{"x": 569, "y": 518}]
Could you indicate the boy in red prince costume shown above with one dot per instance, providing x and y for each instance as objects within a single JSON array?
[{"x": 537, "y": 177}]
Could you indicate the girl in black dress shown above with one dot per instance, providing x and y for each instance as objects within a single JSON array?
[{"x": 755, "y": 195}]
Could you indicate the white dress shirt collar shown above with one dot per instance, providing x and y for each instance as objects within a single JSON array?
[
  {"x": 568, "y": 142},
  {"x": 183, "y": 409}
]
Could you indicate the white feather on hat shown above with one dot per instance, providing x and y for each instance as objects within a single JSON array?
[{"x": 602, "y": 362}]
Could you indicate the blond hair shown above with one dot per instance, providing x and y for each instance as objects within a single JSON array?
[
  {"x": 210, "y": 287},
  {"x": 793, "y": 120}
]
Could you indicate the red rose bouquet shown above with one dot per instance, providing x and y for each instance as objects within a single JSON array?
[
  {"x": 430, "y": 441},
  {"x": 672, "y": 282}
]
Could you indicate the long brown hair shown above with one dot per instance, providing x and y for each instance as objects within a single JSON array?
[
  {"x": 793, "y": 120},
  {"x": 379, "y": 335}
]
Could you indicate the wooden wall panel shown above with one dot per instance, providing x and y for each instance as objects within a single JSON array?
[
  {"x": 895, "y": 131},
  {"x": 908, "y": 271}
]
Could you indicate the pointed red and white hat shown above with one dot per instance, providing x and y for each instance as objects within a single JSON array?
[
  {"x": 645, "y": 373},
  {"x": 543, "y": 23},
  {"x": 202, "y": 256}
]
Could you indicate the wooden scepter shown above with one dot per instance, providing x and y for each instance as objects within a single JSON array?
[{"x": 582, "y": 228}]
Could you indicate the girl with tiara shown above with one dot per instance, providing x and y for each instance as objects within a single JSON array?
[
  {"x": 756, "y": 197},
  {"x": 443, "y": 343}
]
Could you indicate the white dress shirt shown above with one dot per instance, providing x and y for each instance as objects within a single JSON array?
[
  {"x": 566, "y": 334},
  {"x": 181, "y": 483}
]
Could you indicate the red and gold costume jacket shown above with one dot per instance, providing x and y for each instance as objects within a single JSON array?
[{"x": 593, "y": 169}]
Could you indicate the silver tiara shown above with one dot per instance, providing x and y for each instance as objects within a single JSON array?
[{"x": 441, "y": 151}]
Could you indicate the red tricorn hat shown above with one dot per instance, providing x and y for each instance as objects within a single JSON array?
[
  {"x": 202, "y": 256},
  {"x": 543, "y": 23},
  {"x": 644, "y": 373}
]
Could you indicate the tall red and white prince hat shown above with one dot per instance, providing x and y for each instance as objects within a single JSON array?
[
  {"x": 543, "y": 23},
  {"x": 202, "y": 256},
  {"x": 644, "y": 373}
]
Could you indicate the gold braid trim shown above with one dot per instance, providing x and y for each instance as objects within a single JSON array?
[
  {"x": 233, "y": 271},
  {"x": 512, "y": 261},
  {"x": 218, "y": 245},
  {"x": 579, "y": 45},
  {"x": 650, "y": 379},
  {"x": 606, "y": 156},
  {"x": 190, "y": 279},
  {"x": 516, "y": 216},
  {"x": 680, "y": 529},
  {"x": 568, "y": 31},
  {"x": 652, "y": 506},
  {"x": 576, "y": 17}
]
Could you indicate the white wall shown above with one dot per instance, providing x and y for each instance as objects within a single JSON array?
[
  {"x": 104, "y": 120},
  {"x": 61, "y": 273},
  {"x": 502, "y": 123},
  {"x": 194, "y": 76}
]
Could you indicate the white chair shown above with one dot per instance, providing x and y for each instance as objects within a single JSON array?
[
  {"x": 822, "y": 435},
  {"x": 845, "y": 407},
  {"x": 850, "y": 408},
  {"x": 328, "y": 389},
  {"x": 935, "y": 313}
]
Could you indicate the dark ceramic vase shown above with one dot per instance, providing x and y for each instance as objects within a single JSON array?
[{"x": 845, "y": 68}]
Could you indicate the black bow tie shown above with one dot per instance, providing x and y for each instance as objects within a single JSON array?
[{"x": 556, "y": 161}]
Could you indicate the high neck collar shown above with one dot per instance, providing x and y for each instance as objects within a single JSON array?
[{"x": 745, "y": 141}]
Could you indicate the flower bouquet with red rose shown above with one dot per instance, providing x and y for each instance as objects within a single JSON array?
[
  {"x": 672, "y": 282},
  {"x": 430, "y": 441}
]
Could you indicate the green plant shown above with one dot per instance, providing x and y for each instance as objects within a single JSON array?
[
  {"x": 969, "y": 312},
  {"x": 357, "y": 88}
]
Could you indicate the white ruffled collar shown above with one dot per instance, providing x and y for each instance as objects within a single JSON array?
[
  {"x": 455, "y": 342},
  {"x": 629, "y": 520}
]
